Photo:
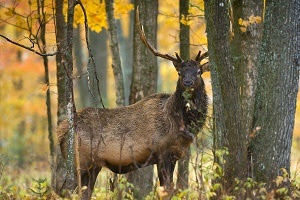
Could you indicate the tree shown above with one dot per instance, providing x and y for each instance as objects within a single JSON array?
[
  {"x": 144, "y": 79},
  {"x": 70, "y": 103},
  {"x": 99, "y": 49},
  {"x": 227, "y": 109},
  {"x": 60, "y": 30},
  {"x": 242, "y": 115},
  {"x": 114, "y": 45},
  {"x": 126, "y": 53},
  {"x": 277, "y": 87},
  {"x": 184, "y": 37}
]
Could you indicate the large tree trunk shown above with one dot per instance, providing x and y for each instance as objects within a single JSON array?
[
  {"x": 278, "y": 80},
  {"x": 144, "y": 79},
  {"x": 245, "y": 51},
  {"x": 116, "y": 64},
  {"x": 227, "y": 109},
  {"x": 59, "y": 180},
  {"x": 184, "y": 37}
]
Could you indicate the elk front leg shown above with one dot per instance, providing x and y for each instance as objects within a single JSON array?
[
  {"x": 165, "y": 169},
  {"x": 88, "y": 179}
]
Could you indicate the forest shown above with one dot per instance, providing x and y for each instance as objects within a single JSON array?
[{"x": 149, "y": 99}]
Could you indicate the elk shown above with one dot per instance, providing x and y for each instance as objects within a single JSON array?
[{"x": 156, "y": 130}]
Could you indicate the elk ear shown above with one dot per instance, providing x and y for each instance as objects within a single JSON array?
[{"x": 204, "y": 68}]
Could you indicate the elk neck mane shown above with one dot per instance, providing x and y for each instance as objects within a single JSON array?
[{"x": 192, "y": 109}]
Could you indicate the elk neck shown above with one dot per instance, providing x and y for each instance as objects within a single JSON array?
[{"x": 192, "y": 105}]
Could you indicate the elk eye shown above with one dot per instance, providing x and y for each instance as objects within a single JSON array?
[{"x": 199, "y": 71}]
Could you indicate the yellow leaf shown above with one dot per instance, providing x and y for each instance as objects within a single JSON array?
[
  {"x": 243, "y": 29},
  {"x": 44, "y": 88},
  {"x": 240, "y": 21},
  {"x": 257, "y": 19},
  {"x": 279, "y": 180},
  {"x": 254, "y": 19},
  {"x": 245, "y": 23}
]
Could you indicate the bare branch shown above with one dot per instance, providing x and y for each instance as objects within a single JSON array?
[
  {"x": 91, "y": 57},
  {"x": 28, "y": 48}
]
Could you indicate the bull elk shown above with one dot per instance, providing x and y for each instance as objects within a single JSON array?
[{"x": 156, "y": 130}]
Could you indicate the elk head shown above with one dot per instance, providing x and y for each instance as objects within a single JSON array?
[{"x": 189, "y": 71}]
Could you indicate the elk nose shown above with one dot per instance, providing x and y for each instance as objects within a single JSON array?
[{"x": 188, "y": 83}]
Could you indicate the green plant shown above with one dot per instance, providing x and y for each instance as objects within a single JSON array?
[{"x": 39, "y": 188}]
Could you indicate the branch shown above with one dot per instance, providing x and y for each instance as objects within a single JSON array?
[
  {"x": 91, "y": 58},
  {"x": 28, "y": 48}
]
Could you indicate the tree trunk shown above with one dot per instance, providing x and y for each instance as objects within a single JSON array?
[
  {"x": 116, "y": 64},
  {"x": 184, "y": 37},
  {"x": 43, "y": 46},
  {"x": 144, "y": 79},
  {"x": 126, "y": 53},
  {"x": 245, "y": 51},
  {"x": 227, "y": 110},
  {"x": 278, "y": 80},
  {"x": 99, "y": 49},
  {"x": 60, "y": 168},
  {"x": 70, "y": 104},
  {"x": 79, "y": 63}
]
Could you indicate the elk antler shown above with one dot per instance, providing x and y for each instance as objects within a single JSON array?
[
  {"x": 176, "y": 59},
  {"x": 200, "y": 57}
]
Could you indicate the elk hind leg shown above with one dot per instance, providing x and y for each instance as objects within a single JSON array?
[{"x": 165, "y": 168}]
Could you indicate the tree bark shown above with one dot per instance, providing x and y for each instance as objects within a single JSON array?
[
  {"x": 278, "y": 81},
  {"x": 58, "y": 181},
  {"x": 184, "y": 37},
  {"x": 245, "y": 51},
  {"x": 227, "y": 110},
  {"x": 70, "y": 104},
  {"x": 116, "y": 64},
  {"x": 144, "y": 79}
]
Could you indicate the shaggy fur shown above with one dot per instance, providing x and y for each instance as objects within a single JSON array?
[{"x": 155, "y": 130}]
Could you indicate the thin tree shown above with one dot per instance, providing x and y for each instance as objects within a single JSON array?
[
  {"x": 114, "y": 46},
  {"x": 60, "y": 34},
  {"x": 42, "y": 21}
]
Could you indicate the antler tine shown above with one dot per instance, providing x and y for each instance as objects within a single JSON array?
[
  {"x": 200, "y": 57},
  {"x": 203, "y": 56},
  {"x": 150, "y": 47}
]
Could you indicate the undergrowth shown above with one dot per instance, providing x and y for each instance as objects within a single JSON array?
[{"x": 205, "y": 183}]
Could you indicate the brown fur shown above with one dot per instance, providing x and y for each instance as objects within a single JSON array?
[
  {"x": 155, "y": 130},
  {"x": 119, "y": 137}
]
